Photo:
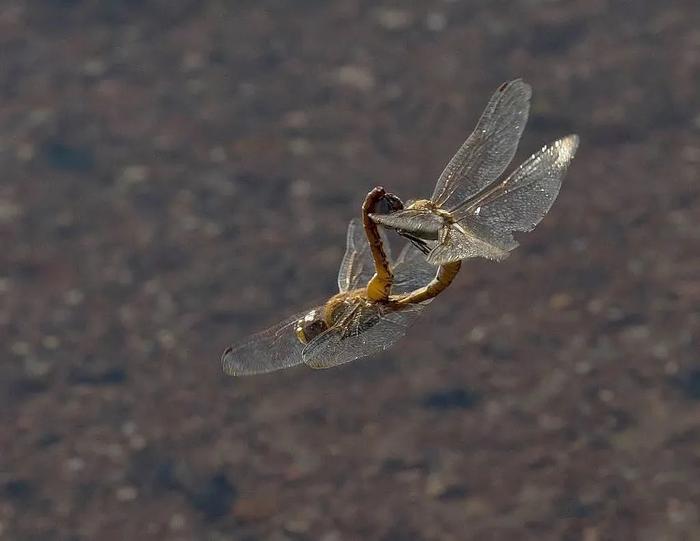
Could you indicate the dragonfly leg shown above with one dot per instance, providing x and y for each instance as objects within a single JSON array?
[
  {"x": 444, "y": 277},
  {"x": 379, "y": 287}
]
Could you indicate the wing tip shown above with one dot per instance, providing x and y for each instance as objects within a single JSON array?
[
  {"x": 566, "y": 148},
  {"x": 516, "y": 84},
  {"x": 571, "y": 141},
  {"x": 353, "y": 224},
  {"x": 228, "y": 363},
  {"x": 231, "y": 365}
]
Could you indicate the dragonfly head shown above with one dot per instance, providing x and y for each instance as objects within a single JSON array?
[
  {"x": 310, "y": 326},
  {"x": 387, "y": 204}
]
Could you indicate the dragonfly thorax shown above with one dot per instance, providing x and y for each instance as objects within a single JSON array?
[
  {"x": 421, "y": 204},
  {"x": 310, "y": 326}
]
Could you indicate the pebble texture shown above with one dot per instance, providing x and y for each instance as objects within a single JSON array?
[{"x": 177, "y": 174}]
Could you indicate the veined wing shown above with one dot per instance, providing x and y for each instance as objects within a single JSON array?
[
  {"x": 273, "y": 349},
  {"x": 366, "y": 331},
  {"x": 422, "y": 222},
  {"x": 521, "y": 201},
  {"x": 484, "y": 227},
  {"x": 411, "y": 271},
  {"x": 457, "y": 242},
  {"x": 357, "y": 266},
  {"x": 489, "y": 149}
]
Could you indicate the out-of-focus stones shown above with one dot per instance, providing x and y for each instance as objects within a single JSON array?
[
  {"x": 256, "y": 507},
  {"x": 451, "y": 399},
  {"x": 133, "y": 174},
  {"x": 126, "y": 493},
  {"x": 393, "y": 19},
  {"x": 560, "y": 301},
  {"x": 435, "y": 21},
  {"x": 356, "y": 77}
]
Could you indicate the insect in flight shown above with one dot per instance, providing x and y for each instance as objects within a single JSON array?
[
  {"x": 360, "y": 320},
  {"x": 473, "y": 214}
]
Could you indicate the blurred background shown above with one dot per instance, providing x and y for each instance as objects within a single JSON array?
[{"x": 178, "y": 174}]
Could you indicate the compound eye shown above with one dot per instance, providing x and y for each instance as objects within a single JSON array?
[
  {"x": 387, "y": 204},
  {"x": 310, "y": 326}
]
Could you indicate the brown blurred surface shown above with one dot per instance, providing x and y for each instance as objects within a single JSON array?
[{"x": 177, "y": 174}]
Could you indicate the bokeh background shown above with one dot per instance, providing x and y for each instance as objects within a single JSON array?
[{"x": 176, "y": 174}]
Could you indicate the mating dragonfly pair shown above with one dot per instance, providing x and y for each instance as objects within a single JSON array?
[{"x": 472, "y": 213}]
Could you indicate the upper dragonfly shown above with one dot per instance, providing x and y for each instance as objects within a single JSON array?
[
  {"x": 473, "y": 214},
  {"x": 359, "y": 320}
]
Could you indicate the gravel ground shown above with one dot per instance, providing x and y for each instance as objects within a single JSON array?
[{"x": 177, "y": 174}]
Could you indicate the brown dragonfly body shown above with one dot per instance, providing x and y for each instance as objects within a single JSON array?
[{"x": 378, "y": 300}]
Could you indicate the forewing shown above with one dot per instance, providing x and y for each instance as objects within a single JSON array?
[
  {"x": 520, "y": 202},
  {"x": 357, "y": 266},
  {"x": 372, "y": 330},
  {"x": 489, "y": 149},
  {"x": 421, "y": 222},
  {"x": 273, "y": 349}
]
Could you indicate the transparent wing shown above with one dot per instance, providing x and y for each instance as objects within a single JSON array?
[
  {"x": 410, "y": 254},
  {"x": 366, "y": 331},
  {"x": 357, "y": 266},
  {"x": 411, "y": 271},
  {"x": 273, "y": 349},
  {"x": 521, "y": 201},
  {"x": 489, "y": 149},
  {"x": 457, "y": 242},
  {"x": 422, "y": 222}
]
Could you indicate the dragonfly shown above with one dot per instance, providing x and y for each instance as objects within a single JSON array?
[
  {"x": 472, "y": 213},
  {"x": 378, "y": 299}
]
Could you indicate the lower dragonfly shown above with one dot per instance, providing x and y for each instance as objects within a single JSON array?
[{"x": 361, "y": 319}]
